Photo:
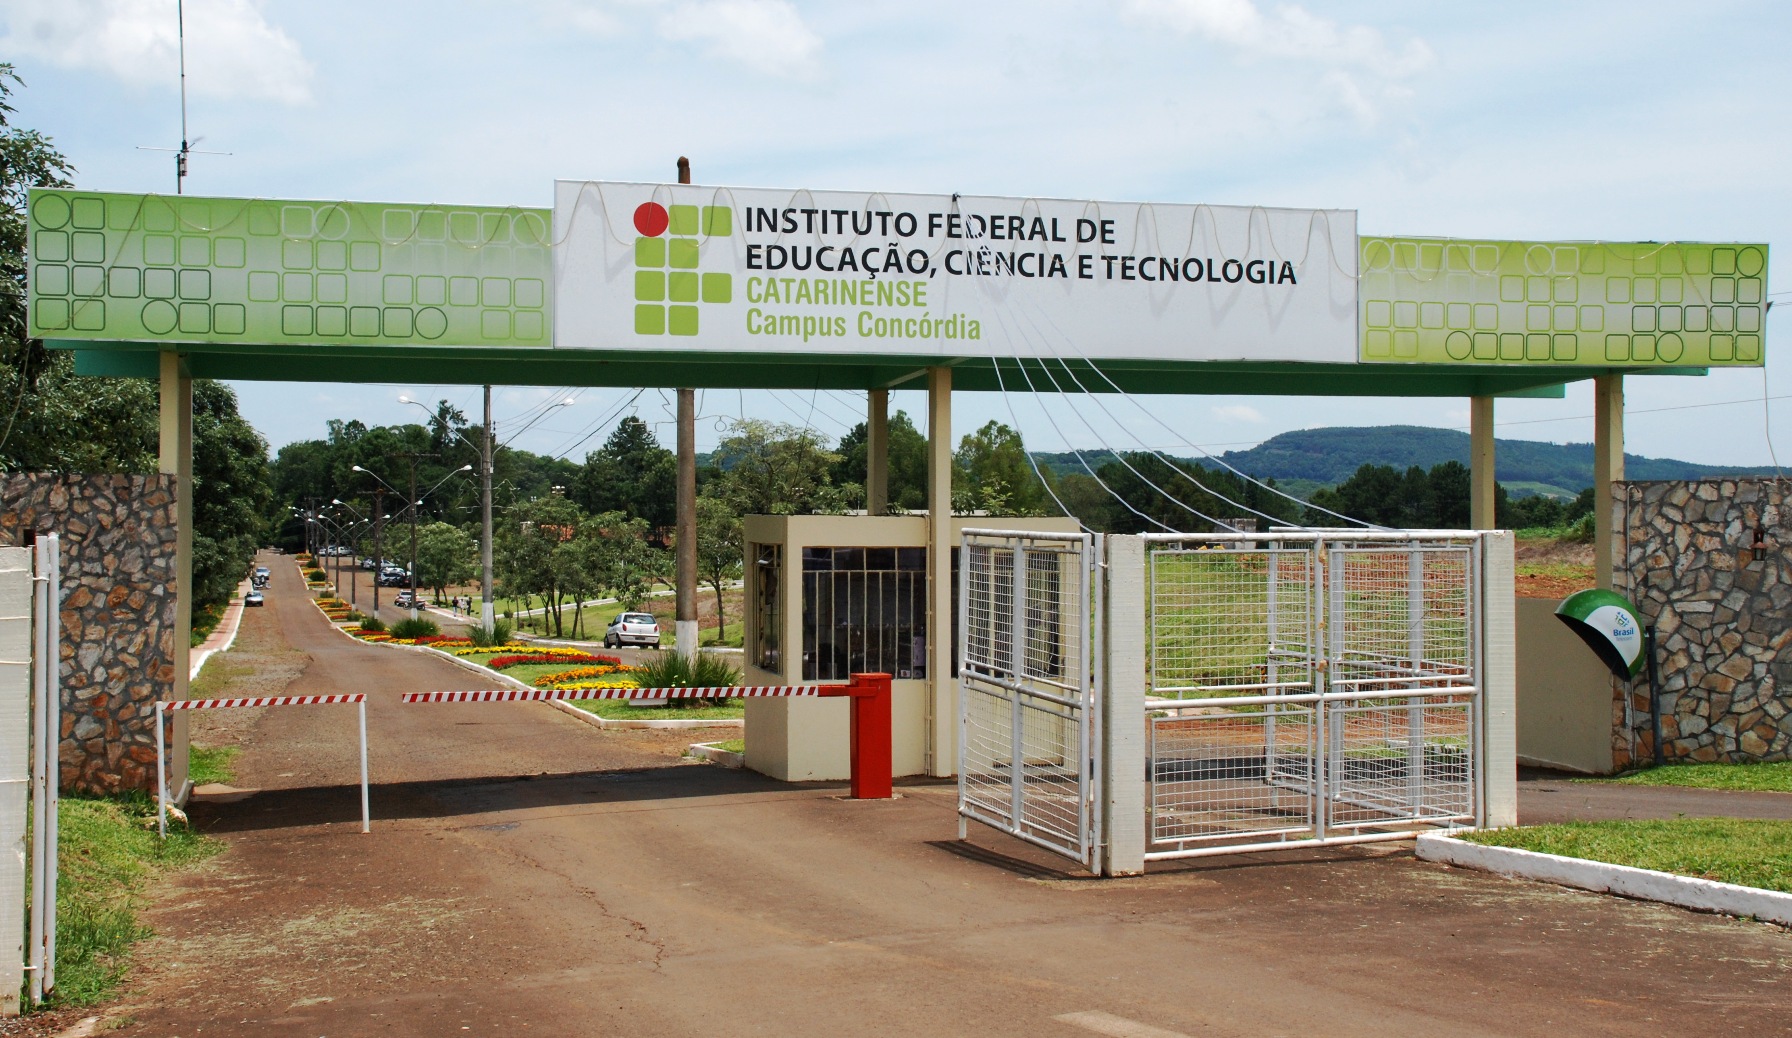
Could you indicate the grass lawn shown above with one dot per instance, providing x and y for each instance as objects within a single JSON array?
[
  {"x": 1774, "y": 777},
  {"x": 731, "y": 745},
  {"x": 211, "y": 764},
  {"x": 620, "y": 710},
  {"x": 1745, "y": 851},
  {"x": 109, "y": 857}
]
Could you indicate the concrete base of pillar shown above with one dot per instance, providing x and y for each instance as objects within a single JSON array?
[{"x": 684, "y": 637}]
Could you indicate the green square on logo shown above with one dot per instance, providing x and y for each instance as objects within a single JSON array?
[
  {"x": 650, "y": 320},
  {"x": 684, "y": 219},
  {"x": 682, "y": 320},
  {"x": 718, "y": 221},
  {"x": 682, "y": 286},
  {"x": 650, "y": 286},
  {"x": 718, "y": 288},
  {"x": 684, "y": 253},
  {"x": 650, "y": 252}
]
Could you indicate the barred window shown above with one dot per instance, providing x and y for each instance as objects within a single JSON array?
[
  {"x": 864, "y": 611},
  {"x": 766, "y": 627}
]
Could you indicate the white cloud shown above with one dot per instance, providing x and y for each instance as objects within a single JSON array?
[
  {"x": 232, "y": 49},
  {"x": 1237, "y": 413},
  {"x": 1365, "y": 70},
  {"x": 767, "y": 36}
]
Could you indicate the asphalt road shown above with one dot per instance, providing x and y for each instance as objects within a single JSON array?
[{"x": 531, "y": 875}]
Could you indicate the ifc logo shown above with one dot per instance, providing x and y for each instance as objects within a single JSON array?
[{"x": 668, "y": 286}]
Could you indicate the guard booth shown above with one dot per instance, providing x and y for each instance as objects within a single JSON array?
[{"x": 832, "y": 595}]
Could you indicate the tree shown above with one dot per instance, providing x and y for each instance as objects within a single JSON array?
[
  {"x": 720, "y": 550},
  {"x": 231, "y": 492},
  {"x": 907, "y": 451},
  {"x": 991, "y": 473},
  {"x": 529, "y": 558},
  {"x": 773, "y": 469},
  {"x": 630, "y": 473},
  {"x": 446, "y": 555}
]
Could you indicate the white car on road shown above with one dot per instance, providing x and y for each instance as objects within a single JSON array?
[{"x": 632, "y": 629}]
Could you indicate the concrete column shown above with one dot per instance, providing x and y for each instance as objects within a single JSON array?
[
  {"x": 877, "y": 452},
  {"x": 1481, "y": 486},
  {"x": 684, "y": 624},
  {"x": 1123, "y": 709},
  {"x": 942, "y": 687},
  {"x": 175, "y": 412},
  {"x": 1499, "y": 677},
  {"x": 1608, "y": 468}
]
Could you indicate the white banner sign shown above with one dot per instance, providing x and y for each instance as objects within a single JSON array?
[{"x": 753, "y": 270}]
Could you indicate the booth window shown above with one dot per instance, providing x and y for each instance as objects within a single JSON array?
[
  {"x": 864, "y": 611},
  {"x": 765, "y": 629}
]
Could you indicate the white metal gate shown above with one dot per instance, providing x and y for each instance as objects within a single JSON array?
[
  {"x": 1028, "y": 727},
  {"x": 1310, "y": 688}
]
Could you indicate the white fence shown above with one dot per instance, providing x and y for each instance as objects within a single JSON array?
[{"x": 1245, "y": 692}]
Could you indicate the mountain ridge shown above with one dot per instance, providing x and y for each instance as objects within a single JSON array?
[{"x": 1310, "y": 458}]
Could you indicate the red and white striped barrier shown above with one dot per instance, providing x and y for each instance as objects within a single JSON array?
[
  {"x": 359, "y": 699},
  {"x": 225, "y": 704},
  {"x": 542, "y": 695}
]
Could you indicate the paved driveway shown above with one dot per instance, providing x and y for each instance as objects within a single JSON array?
[{"x": 531, "y": 875}]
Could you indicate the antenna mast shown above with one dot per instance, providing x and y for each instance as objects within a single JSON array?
[{"x": 180, "y": 157}]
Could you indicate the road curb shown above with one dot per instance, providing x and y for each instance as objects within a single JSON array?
[
  {"x": 1702, "y": 895},
  {"x": 716, "y": 755},
  {"x": 560, "y": 705}
]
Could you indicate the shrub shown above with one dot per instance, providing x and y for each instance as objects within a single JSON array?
[
  {"x": 418, "y": 628},
  {"x": 670, "y": 670},
  {"x": 354, "y": 617},
  {"x": 314, "y": 575},
  {"x": 373, "y": 623},
  {"x": 498, "y": 635}
]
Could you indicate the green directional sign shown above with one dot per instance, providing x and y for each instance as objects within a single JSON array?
[
  {"x": 1617, "y": 304},
  {"x": 225, "y": 270}
]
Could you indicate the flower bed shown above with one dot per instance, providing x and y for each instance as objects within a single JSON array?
[
  {"x": 550, "y": 656},
  {"x": 481, "y": 650},
  {"x": 565, "y": 678}
]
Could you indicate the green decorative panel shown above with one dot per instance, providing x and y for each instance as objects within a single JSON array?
[
  {"x": 1618, "y": 304},
  {"x": 186, "y": 269}
]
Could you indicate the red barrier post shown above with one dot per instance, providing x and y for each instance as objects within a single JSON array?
[{"x": 872, "y": 764}]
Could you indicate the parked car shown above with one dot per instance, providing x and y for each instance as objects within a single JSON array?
[
  {"x": 632, "y": 629},
  {"x": 395, "y": 578},
  {"x": 253, "y": 598},
  {"x": 405, "y": 600}
]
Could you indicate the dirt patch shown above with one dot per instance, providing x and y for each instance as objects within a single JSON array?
[
  {"x": 259, "y": 663},
  {"x": 1552, "y": 569}
]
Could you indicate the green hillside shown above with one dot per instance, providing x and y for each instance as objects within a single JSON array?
[{"x": 1304, "y": 460}]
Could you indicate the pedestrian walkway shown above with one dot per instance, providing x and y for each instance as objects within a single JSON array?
[
  {"x": 223, "y": 635},
  {"x": 1545, "y": 797}
]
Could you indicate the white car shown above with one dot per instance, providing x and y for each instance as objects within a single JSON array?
[
  {"x": 632, "y": 629},
  {"x": 406, "y": 600}
]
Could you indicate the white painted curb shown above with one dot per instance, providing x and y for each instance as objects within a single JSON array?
[
  {"x": 228, "y": 625},
  {"x": 560, "y": 705},
  {"x": 1692, "y": 892},
  {"x": 714, "y": 753}
]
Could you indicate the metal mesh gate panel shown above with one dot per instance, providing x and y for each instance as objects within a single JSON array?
[
  {"x": 1308, "y": 688},
  {"x": 1026, "y": 688}
]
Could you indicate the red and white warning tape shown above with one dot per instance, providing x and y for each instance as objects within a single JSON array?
[
  {"x": 221, "y": 704},
  {"x": 548, "y": 694}
]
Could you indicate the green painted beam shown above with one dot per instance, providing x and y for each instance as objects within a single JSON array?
[{"x": 442, "y": 365}]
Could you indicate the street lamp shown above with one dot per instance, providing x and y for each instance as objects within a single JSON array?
[
  {"x": 486, "y": 618},
  {"x": 413, "y": 503}
]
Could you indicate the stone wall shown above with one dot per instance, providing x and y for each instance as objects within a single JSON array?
[
  {"x": 1707, "y": 563},
  {"x": 118, "y": 613}
]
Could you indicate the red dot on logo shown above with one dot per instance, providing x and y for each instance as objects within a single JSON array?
[{"x": 651, "y": 219}]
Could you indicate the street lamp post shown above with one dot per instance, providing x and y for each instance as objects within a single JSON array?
[
  {"x": 487, "y": 609},
  {"x": 413, "y": 503}
]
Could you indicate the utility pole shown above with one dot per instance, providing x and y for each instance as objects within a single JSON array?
[
  {"x": 685, "y": 625},
  {"x": 486, "y": 618},
  {"x": 412, "y": 458},
  {"x": 379, "y": 560}
]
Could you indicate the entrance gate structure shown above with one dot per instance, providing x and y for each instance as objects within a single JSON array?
[{"x": 1239, "y": 692}]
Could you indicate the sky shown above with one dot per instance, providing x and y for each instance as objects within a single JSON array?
[{"x": 1624, "y": 120}]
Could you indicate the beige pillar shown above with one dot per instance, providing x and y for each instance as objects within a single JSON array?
[
  {"x": 877, "y": 452},
  {"x": 1481, "y": 486},
  {"x": 942, "y": 688},
  {"x": 176, "y": 459},
  {"x": 1608, "y": 468}
]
